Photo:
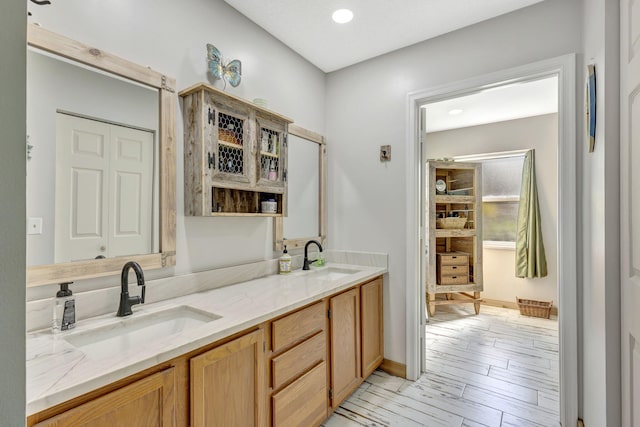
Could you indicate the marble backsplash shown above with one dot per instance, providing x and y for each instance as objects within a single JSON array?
[{"x": 105, "y": 300}]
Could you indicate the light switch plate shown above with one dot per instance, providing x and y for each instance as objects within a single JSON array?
[
  {"x": 385, "y": 153},
  {"x": 34, "y": 226}
]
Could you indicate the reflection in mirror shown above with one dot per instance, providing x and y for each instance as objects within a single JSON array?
[
  {"x": 136, "y": 109},
  {"x": 303, "y": 193},
  {"x": 92, "y": 175},
  {"x": 306, "y": 192}
]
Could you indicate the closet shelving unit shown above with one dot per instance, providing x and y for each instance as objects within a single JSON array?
[{"x": 454, "y": 254}]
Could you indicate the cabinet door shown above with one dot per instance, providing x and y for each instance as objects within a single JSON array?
[
  {"x": 345, "y": 345},
  {"x": 227, "y": 384},
  {"x": 372, "y": 332},
  {"x": 148, "y": 402},
  {"x": 271, "y": 161},
  {"x": 228, "y": 141}
]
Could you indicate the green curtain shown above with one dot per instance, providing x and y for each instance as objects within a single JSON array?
[{"x": 530, "y": 258}]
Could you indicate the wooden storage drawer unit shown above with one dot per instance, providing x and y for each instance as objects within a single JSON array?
[
  {"x": 297, "y": 326},
  {"x": 452, "y": 268},
  {"x": 299, "y": 359},
  {"x": 303, "y": 402}
]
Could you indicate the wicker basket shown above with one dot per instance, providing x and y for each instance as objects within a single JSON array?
[
  {"x": 533, "y": 308},
  {"x": 451, "y": 222}
]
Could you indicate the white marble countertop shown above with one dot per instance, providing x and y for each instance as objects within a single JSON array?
[{"x": 57, "y": 371}]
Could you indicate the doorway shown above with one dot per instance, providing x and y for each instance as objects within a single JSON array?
[
  {"x": 493, "y": 130},
  {"x": 500, "y": 364},
  {"x": 564, "y": 69}
]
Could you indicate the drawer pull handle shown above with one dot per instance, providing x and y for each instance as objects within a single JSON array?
[{"x": 454, "y": 277}]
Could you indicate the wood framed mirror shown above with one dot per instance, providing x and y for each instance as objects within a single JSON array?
[
  {"x": 161, "y": 253},
  {"x": 306, "y": 193}
]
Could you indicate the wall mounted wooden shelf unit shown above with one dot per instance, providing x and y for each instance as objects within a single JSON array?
[{"x": 235, "y": 155}]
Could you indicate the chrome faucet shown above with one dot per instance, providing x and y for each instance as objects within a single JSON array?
[
  {"x": 125, "y": 300},
  {"x": 306, "y": 262}
]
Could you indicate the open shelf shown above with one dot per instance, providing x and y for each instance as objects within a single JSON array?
[{"x": 234, "y": 202}]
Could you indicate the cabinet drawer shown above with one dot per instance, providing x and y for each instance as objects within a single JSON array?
[
  {"x": 294, "y": 362},
  {"x": 453, "y": 270},
  {"x": 453, "y": 259},
  {"x": 295, "y": 327},
  {"x": 304, "y": 402},
  {"x": 454, "y": 280}
]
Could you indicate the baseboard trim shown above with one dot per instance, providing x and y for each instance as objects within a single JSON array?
[{"x": 394, "y": 368}]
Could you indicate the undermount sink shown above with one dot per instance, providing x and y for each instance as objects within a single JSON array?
[
  {"x": 137, "y": 331},
  {"x": 333, "y": 273}
]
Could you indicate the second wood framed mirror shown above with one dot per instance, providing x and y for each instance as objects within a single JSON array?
[{"x": 307, "y": 177}]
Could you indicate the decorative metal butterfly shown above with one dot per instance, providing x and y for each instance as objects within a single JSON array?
[{"x": 230, "y": 72}]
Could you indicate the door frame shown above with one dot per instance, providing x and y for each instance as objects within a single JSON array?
[{"x": 565, "y": 68}]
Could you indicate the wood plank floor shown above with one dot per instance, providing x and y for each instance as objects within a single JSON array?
[{"x": 496, "y": 369}]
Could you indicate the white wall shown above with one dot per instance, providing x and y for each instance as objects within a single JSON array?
[
  {"x": 171, "y": 37},
  {"x": 12, "y": 212},
  {"x": 367, "y": 107},
  {"x": 601, "y": 223},
  {"x": 541, "y": 134}
]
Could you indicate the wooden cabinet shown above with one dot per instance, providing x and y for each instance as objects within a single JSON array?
[
  {"x": 345, "y": 345},
  {"x": 147, "y": 402},
  {"x": 227, "y": 384},
  {"x": 279, "y": 373},
  {"x": 235, "y": 155},
  {"x": 452, "y": 268},
  {"x": 454, "y": 215},
  {"x": 372, "y": 326},
  {"x": 357, "y": 340}
]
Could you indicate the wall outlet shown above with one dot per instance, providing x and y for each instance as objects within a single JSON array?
[
  {"x": 385, "y": 153},
  {"x": 34, "y": 226}
]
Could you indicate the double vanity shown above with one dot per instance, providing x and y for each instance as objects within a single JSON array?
[{"x": 277, "y": 350}]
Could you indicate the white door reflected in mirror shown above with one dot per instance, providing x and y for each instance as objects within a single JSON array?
[{"x": 104, "y": 189}]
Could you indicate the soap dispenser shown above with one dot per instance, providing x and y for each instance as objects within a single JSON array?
[
  {"x": 285, "y": 262},
  {"x": 64, "y": 309}
]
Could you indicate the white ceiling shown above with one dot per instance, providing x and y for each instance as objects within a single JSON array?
[
  {"x": 508, "y": 102},
  {"x": 378, "y": 26}
]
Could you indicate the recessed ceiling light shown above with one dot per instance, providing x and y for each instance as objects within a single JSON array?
[
  {"x": 455, "y": 111},
  {"x": 342, "y": 16}
]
